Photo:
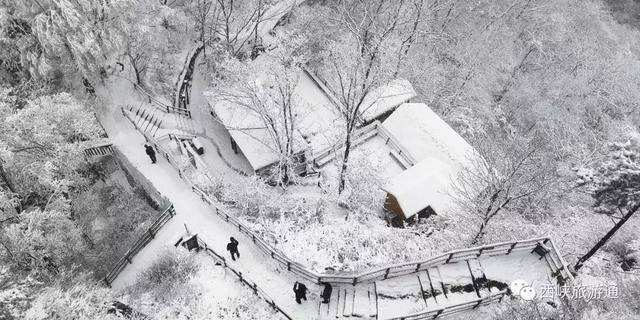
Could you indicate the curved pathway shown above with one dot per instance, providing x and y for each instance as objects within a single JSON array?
[{"x": 399, "y": 296}]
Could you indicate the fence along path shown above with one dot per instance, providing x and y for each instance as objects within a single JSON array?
[
  {"x": 142, "y": 241},
  {"x": 242, "y": 278},
  {"x": 555, "y": 261},
  {"x": 106, "y": 148}
]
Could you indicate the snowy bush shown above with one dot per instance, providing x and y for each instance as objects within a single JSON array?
[
  {"x": 161, "y": 278},
  {"x": 83, "y": 299},
  {"x": 111, "y": 218},
  {"x": 244, "y": 308}
]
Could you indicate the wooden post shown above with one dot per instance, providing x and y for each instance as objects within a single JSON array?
[
  {"x": 511, "y": 248},
  {"x": 449, "y": 258}
]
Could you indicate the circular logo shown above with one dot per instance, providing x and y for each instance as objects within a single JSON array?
[
  {"x": 520, "y": 288},
  {"x": 527, "y": 293}
]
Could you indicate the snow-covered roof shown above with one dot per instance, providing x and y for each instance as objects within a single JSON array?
[
  {"x": 441, "y": 154},
  {"x": 424, "y": 134},
  {"x": 385, "y": 98},
  {"x": 317, "y": 124},
  {"x": 322, "y": 123},
  {"x": 428, "y": 183},
  {"x": 248, "y": 131}
]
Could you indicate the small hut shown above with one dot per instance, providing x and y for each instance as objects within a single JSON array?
[{"x": 427, "y": 187}]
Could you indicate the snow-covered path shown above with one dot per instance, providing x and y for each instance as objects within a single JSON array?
[
  {"x": 195, "y": 215},
  {"x": 397, "y": 296}
]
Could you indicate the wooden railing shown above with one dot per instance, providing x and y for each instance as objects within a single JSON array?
[
  {"x": 166, "y": 215},
  {"x": 555, "y": 261},
  {"x": 371, "y": 130},
  {"x": 449, "y": 310},
  {"x": 392, "y": 271},
  {"x": 99, "y": 150},
  {"x": 162, "y": 106},
  {"x": 391, "y": 141},
  {"x": 358, "y": 137},
  {"x": 244, "y": 280},
  {"x": 504, "y": 248},
  {"x": 144, "y": 116}
]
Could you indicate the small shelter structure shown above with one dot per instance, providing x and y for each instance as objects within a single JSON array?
[
  {"x": 441, "y": 155},
  {"x": 317, "y": 125}
]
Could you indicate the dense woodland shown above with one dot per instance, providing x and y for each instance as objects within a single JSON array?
[{"x": 546, "y": 90}]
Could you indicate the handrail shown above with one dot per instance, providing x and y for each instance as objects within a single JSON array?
[
  {"x": 380, "y": 130},
  {"x": 558, "y": 265},
  {"x": 378, "y": 274},
  {"x": 161, "y": 105},
  {"x": 387, "y": 272},
  {"x": 142, "y": 241},
  {"x": 99, "y": 150},
  {"x": 328, "y": 151},
  {"x": 447, "y": 310},
  {"x": 256, "y": 290}
]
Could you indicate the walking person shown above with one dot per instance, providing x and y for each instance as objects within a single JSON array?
[
  {"x": 300, "y": 291},
  {"x": 326, "y": 293},
  {"x": 232, "y": 247},
  {"x": 150, "y": 152}
]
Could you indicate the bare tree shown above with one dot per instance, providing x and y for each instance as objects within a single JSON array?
[
  {"x": 230, "y": 22},
  {"x": 237, "y": 23},
  {"x": 270, "y": 106},
  {"x": 139, "y": 59},
  {"x": 357, "y": 64},
  {"x": 512, "y": 173}
]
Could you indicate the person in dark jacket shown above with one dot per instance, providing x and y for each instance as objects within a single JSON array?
[
  {"x": 150, "y": 152},
  {"x": 326, "y": 293},
  {"x": 232, "y": 247},
  {"x": 300, "y": 290}
]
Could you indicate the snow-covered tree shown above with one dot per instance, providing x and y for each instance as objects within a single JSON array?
[
  {"x": 69, "y": 35},
  {"x": 616, "y": 189},
  {"x": 265, "y": 88},
  {"x": 513, "y": 173},
  {"x": 41, "y": 147},
  {"x": 83, "y": 299},
  {"x": 371, "y": 41},
  {"x": 41, "y": 243}
]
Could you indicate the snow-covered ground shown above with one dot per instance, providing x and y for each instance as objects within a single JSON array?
[
  {"x": 211, "y": 292},
  {"x": 194, "y": 215}
]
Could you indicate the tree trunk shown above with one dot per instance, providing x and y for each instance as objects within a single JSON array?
[
  {"x": 345, "y": 160},
  {"x": 606, "y": 238}
]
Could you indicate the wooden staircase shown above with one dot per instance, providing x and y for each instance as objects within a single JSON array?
[
  {"x": 357, "y": 302},
  {"x": 430, "y": 289},
  {"x": 157, "y": 123}
]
